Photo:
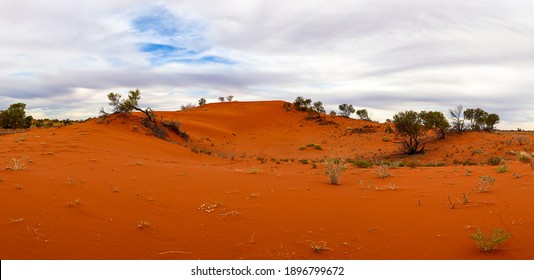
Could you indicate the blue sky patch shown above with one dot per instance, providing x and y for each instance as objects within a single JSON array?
[{"x": 211, "y": 59}]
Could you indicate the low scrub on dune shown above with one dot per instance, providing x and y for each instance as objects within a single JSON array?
[{"x": 158, "y": 128}]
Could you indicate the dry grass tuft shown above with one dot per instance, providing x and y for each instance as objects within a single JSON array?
[{"x": 382, "y": 171}]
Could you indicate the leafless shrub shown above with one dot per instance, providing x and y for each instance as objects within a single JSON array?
[{"x": 382, "y": 171}]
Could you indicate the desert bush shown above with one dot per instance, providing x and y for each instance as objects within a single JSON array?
[
  {"x": 435, "y": 120},
  {"x": 346, "y": 110},
  {"x": 187, "y": 106},
  {"x": 302, "y": 104},
  {"x": 174, "y": 126},
  {"x": 410, "y": 129},
  {"x": 360, "y": 163},
  {"x": 487, "y": 243},
  {"x": 334, "y": 167},
  {"x": 502, "y": 168},
  {"x": 521, "y": 140},
  {"x": 412, "y": 164},
  {"x": 382, "y": 171},
  {"x": 363, "y": 114},
  {"x": 524, "y": 157},
  {"x": 481, "y": 120},
  {"x": 495, "y": 160},
  {"x": 202, "y": 101},
  {"x": 485, "y": 183}
]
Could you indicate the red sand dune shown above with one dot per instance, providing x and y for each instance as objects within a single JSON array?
[{"x": 108, "y": 191}]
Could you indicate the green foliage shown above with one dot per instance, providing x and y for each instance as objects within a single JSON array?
[
  {"x": 318, "y": 107},
  {"x": 435, "y": 120},
  {"x": 363, "y": 115},
  {"x": 480, "y": 119},
  {"x": 125, "y": 106},
  {"x": 495, "y": 160},
  {"x": 410, "y": 128},
  {"x": 346, "y": 110},
  {"x": 302, "y": 104},
  {"x": 490, "y": 243},
  {"x": 15, "y": 117},
  {"x": 360, "y": 163},
  {"x": 202, "y": 101},
  {"x": 502, "y": 168}
]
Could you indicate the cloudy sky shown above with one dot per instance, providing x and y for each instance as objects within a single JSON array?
[{"x": 61, "y": 58}]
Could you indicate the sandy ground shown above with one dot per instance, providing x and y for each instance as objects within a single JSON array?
[{"x": 243, "y": 188}]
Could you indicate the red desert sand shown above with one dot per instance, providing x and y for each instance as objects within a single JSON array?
[{"x": 250, "y": 184}]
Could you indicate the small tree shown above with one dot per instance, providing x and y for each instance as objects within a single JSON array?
[
  {"x": 302, "y": 104},
  {"x": 491, "y": 121},
  {"x": 410, "y": 128},
  {"x": 15, "y": 117},
  {"x": 221, "y": 99},
  {"x": 457, "y": 115},
  {"x": 229, "y": 98},
  {"x": 318, "y": 107},
  {"x": 346, "y": 110},
  {"x": 202, "y": 102},
  {"x": 435, "y": 120},
  {"x": 363, "y": 115},
  {"x": 130, "y": 104}
]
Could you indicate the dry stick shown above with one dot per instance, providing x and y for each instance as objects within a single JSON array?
[
  {"x": 450, "y": 201},
  {"x": 175, "y": 252},
  {"x": 252, "y": 239}
]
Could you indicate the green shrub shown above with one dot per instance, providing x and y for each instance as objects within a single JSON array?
[
  {"x": 502, "y": 168},
  {"x": 490, "y": 243},
  {"x": 360, "y": 163},
  {"x": 495, "y": 160},
  {"x": 524, "y": 157}
]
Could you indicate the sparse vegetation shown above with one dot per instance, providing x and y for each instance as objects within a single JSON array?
[
  {"x": 361, "y": 163},
  {"x": 382, "y": 171},
  {"x": 410, "y": 129},
  {"x": 15, "y": 117},
  {"x": 16, "y": 164},
  {"x": 488, "y": 244},
  {"x": 524, "y": 157},
  {"x": 319, "y": 248},
  {"x": 363, "y": 114},
  {"x": 254, "y": 170},
  {"x": 502, "y": 168},
  {"x": 150, "y": 121},
  {"x": 334, "y": 167},
  {"x": 495, "y": 160},
  {"x": 434, "y": 120},
  {"x": 346, "y": 110},
  {"x": 143, "y": 225},
  {"x": 388, "y": 187}
]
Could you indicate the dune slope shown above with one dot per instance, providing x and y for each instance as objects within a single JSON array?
[{"x": 249, "y": 184}]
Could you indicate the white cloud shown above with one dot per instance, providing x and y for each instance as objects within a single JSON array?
[{"x": 383, "y": 55}]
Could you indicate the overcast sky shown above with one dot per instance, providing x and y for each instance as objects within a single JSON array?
[{"x": 62, "y": 58}]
